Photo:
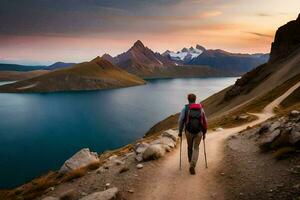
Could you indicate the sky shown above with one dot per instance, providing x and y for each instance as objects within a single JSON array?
[{"x": 46, "y": 31}]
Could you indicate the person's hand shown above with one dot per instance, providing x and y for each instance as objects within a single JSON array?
[
  {"x": 204, "y": 135},
  {"x": 179, "y": 134},
  {"x": 204, "y": 131}
]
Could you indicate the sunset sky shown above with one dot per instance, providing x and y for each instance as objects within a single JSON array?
[{"x": 46, "y": 31}]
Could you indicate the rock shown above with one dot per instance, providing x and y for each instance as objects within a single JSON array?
[
  {"x": 139, "y": 158},
  {"x": 140, "y": 147},
  {"x": 268, "y": 139},
  {"x": 123, "y": 169},
  {"x": 295, "y": 135},
  {"x": 171, "y": 134},
  {"x": 274, "y": 126},
  {"x": 242, "y": 117},
  {"x": 50, "y": 198},
  {"x": 110, "y": 194},
  {"x": 153, "y": 152},
  {"x": 164, "y": 141},
  {"x": 82, "y": 158},
  {"x": 112, "y": 158},
  {"x": 294, "y": 113},
  {"x": 264, "y": 128},
  {"x": 139, "y": 166},
  {"x": 69, "y": 194},
  {"x": 219, "y": 129},
  {"x": 130, "y": 191},
  {"x": 119, "y": 162},
  {"x": 100, "y": 170},
  {"x": 83, "y": 194}
]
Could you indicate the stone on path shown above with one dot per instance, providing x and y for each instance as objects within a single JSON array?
[{"x": 153, "y": 152}]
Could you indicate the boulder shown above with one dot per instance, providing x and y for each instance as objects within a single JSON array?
[
  {"x": 140, "y": 147},
  {"x": 153, "y": 152},
  {"x": 295, "y": 135},
  {"x": 274, "y": 126},
  {"x": 269, "y": 138},
  {"x": 294, "y": 113},
  {"x": 164, "y": 141},
  {"x": 171, "y": 134},
  {"x": 109, "y": 194},
  {"x": 82, "y": 158}
]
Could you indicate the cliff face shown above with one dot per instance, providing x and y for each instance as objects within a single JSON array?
[
  {"x": 285, "y": 53},
  {"x": 287, "y": 40}
]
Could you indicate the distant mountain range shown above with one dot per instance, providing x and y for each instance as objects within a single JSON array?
[
  {"x": 185, "y": 55},
  {"x": 20, "y": 68},
  {"x": 59, "y": 65},
  {"x": 229, "y": 63},
  {"x": 143, "y": 62}
]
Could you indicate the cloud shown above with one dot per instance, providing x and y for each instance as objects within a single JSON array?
[
  {"x": 259, "y": 34},
  {"x": 263, "y": 15},
  {"x": 208, "y": 14}
]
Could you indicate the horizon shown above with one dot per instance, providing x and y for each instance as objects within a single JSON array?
[{"x": 77, "y": 30}]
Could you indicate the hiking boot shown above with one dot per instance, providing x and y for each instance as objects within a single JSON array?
[{"x": 192, "y": 170}]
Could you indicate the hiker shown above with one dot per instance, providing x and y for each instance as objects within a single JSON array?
[{"x": 193, "y": 120}]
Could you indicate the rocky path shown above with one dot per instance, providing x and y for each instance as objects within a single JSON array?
[{"x": 165, "y": 181}]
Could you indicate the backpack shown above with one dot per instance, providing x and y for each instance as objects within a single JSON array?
[{"x": 193, "y": 118}]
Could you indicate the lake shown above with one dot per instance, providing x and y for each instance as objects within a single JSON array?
[{"x": 38, "y": 132}]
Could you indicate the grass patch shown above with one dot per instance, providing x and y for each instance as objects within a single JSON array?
[
  {"x": 77, "y": 173},
  {"x": 231, "y": 120},
  {"x": 292, "y": 99},
  {"x": 259, "y": 103},
  {"x": 284, "y": 152}
]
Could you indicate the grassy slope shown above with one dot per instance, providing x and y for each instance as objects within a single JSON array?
[
  {"x": 18, "y": 75},
  {"x": 93, "y": 75}
]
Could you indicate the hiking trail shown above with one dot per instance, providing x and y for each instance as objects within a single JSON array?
[{"x": 163, "y": 180}]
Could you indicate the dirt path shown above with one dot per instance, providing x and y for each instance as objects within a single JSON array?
[{"x": 163, "y": 180}]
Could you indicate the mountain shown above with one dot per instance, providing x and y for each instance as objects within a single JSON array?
[
  {"x": 185, "y": 55},
  {"x": 287, "y": 40},
  {"x": 59, "y": 65},
  {"x": 19, "y": 75},
  {"x": 143, "y": 62},
  {"x": 232, "y": 63},
  {"x": 94, "y": 75},
  {"x": 15, "y": 67},
  {"x": 108, "y": 57}
]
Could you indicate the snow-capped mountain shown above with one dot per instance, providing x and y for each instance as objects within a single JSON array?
[{"x": 185, "y": 54}]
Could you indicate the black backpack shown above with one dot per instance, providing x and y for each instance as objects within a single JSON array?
[{"x": 193, "y": 119}]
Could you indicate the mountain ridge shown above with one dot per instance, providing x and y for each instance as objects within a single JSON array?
[{"x": 93, "y": 75}]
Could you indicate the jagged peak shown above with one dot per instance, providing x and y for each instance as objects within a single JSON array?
[
  {"x": 200, "y": 47},
  {"x": 139, "y": 43}
]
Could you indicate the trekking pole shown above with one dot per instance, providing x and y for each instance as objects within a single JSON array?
[
  {"x": 205, "y": 154},
  {"x": 180, "y": 153}
]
